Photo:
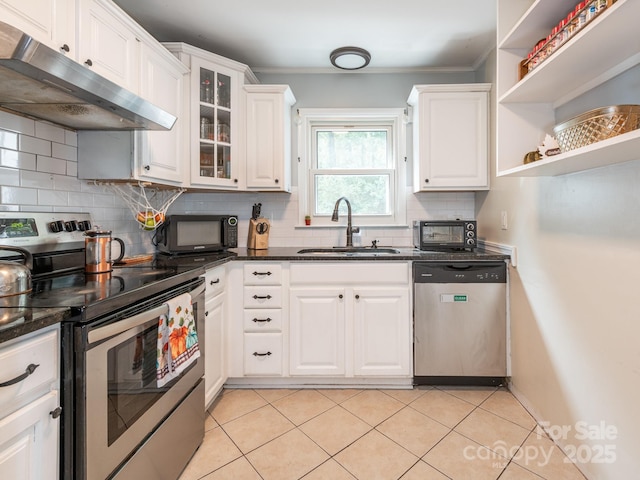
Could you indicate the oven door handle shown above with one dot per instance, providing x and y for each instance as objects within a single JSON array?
[{"x": 113, "y": 329}]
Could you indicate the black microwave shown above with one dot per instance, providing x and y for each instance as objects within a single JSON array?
[
  {"x": 197, "y": 233},
  {"x": 445, "y": 234}
]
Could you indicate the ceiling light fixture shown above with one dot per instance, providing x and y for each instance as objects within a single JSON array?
[{"x": 350, "y": 58}]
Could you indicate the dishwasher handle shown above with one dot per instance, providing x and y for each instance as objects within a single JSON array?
[{"x": 460, "y": 272}]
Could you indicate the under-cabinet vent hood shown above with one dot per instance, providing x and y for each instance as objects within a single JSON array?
[{"x": 39, "y": 82}]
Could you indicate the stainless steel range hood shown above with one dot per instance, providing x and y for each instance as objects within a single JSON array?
[{"x": 37, "y": 81}]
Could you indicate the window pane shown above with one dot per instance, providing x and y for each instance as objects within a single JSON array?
[
  {"x": 351, "y": 149},
  {"x": 368, "y": 194}
]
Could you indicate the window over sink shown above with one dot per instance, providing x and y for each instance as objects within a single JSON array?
[{"x": 355, "y": 153}]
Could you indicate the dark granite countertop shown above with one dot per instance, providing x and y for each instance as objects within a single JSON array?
[
  {"x": 405, "y": 253},
  {"x": 36, "y": 319}
]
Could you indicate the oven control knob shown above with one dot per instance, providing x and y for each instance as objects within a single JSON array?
[
  {"x": 57, "y": 226},
  {"x": 471, "y": 241},
  {"x": 84, "y": 225},
  {"x": 470, "y": 226},
  {"x": 471, "y": 234},
  {"x": 71, "y": 226}
]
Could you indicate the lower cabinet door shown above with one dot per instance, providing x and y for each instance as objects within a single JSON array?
[
  {"x": 317, "y": 331},
  {"x": 214, "y": 352},
  {"x": 263, "y": 354},
  {"x": 29, "y": 441},
  {"x": 382, "y": 334}
]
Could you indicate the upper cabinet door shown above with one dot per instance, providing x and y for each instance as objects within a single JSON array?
[
  {"x": 162, "y": 155},
  {"x": 269, "y": 137},
  {"x": 107, "y": 43},
  {"x": 450, "y": 137},
  {"x": 51, "y": 22}
]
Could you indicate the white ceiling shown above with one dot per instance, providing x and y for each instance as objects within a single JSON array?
[{"x": 298, "y": 35}]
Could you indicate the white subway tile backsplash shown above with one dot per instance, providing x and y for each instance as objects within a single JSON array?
[
  {"x": 65, "y": 152},
  {"x": 35, "y": 145},
  {"x": 18, "y": 195},
  {"x": 47, "y": 131},
  {"x": 10, "y": 176},
  {"x": 71, "y": 138},
  {"x": 53, "y": 198},
  {"x": 62, "y": 182},
  {"x": 51, "y": 165},
  {"x": 36, "y": 179},
  {"x": 15, "y": 159},
  {"x": 16, "y": 123},
  {"x": 8, "y": 140},
  {"x": 72, "y": 170}
]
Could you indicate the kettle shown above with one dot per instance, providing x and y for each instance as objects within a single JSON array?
[
  {"x": 14, "y": 277},
  {"x": 15, "y": 283},
  {"x": 97, "y": 251}
]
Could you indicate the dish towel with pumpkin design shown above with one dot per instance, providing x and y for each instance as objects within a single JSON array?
[{"x": 177, "y": 339}]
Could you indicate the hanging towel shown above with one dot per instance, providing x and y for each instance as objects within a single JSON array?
[{"x": 177, "y": 339}]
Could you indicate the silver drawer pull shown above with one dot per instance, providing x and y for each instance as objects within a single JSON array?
[
  {"x": 261, "y": 320},
  {"x": 263, "y": 297},
  {"x": 256, "y": 354},
  {"x": 30, "y": 369},
  {"x": 262, "y": 273}
]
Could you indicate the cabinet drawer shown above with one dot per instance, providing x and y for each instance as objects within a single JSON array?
[
  {"x": 41, "y": 350},
  {"x": 349, "y": 273},
  {"x": 262, "y": 297},
  {"x": 263, "y": 320},
  {"x": 262, "y": 273},
  {"x": 214, "y": 280},
  {"x": 263, "y": 354}
]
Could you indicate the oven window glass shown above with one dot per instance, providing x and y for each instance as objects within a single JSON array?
[
  {"x": 198, "y": 233},
  {"x": 442, "y": 234}
]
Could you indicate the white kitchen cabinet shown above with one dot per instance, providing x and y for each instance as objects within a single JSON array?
[
  {"x": 107, "y": 42},
  {"x": 350, "y": 319},
  {"x": 450, "y": 137},
  {"x": 214, "y": 334},
  {"x": 268, "y": 137},
  {"x": 160, "y": 155},
  {"x": 51, "y": 22},
  {"x": 317, "y": 331},
  {"x": 30, "y": 418},
  {"x": 216, "y": 114},
  {"x": 526, "y": 109}
]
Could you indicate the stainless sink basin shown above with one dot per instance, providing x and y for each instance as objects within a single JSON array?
[{"x": 348, "y": 251}]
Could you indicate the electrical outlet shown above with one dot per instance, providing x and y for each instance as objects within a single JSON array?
[{"x": 503, "y": 220}]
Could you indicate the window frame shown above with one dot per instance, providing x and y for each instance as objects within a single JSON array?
[{"x": 392, "y": 119}]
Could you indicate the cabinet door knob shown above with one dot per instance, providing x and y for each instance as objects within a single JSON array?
[
  {"x": 56, "y": 412},
  {"x": 235, "y": 180},
  {"x": 88, "y": 62},
  {"x": 147, "y": 168},
  {"x": 277, "y": 181},
  {"x": 357, "y": 297},
  {"x": 206, "y": 314},
  {"x": 340, "y": 296},
  {"x": 426, "y": 180},
  {"x": 65, "y": 48}
]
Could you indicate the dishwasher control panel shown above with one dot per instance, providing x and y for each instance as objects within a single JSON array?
[{"x": 460, "y": 272}]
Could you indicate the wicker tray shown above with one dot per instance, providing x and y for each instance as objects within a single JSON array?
[{"x": 596, "y": 125}]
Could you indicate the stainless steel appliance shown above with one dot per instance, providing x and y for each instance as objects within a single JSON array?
[
  {"x": 38, "y": 81},
  {"x": 196, "y": 234},
  {"x": 116, "y": 421},
  {"x": 445, "y": 234},
  {"x": 460, "y": 323}
]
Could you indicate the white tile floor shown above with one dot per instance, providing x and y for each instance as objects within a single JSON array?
[{"x": 333, "y": 434}]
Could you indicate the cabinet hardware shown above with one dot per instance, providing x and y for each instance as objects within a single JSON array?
[
  {"x": 235, "y": 180},
  {"x": 30, "y": 369},
  {"x": 206, "y": 314},
  {"x": 147, "y": 168},
  {"x": 261, "y": 273},
  {"x": 55, "y": 413},
  {"x": 213, "y": 282},
  {"x": 426, "y": 180},
  {"x": 277, "y": 180},
  {"x": 340, "y": 296},
  {"x": 256, "y": 354},
  {"x": 65, "y": 48},
  {"x": 261, "y": 320},
  {"x": 88, "y": 63},
  {"x": 357, "y": 297},
  {"x": 263, "y": 297}
]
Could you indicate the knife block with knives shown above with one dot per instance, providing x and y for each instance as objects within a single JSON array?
[{"x": 258, "y": 230}]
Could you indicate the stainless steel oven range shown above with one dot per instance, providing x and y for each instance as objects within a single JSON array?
[{"x": 117, "y": 423}]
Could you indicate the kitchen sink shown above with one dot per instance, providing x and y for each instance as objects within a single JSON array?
[{"x": 349, "y": 251}]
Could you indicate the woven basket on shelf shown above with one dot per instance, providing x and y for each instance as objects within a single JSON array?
[{"x": 596, "y": 125}]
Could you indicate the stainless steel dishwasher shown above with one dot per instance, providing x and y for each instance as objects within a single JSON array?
[{"x": 460, "y": 323}]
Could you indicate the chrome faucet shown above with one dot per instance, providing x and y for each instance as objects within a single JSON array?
[{"x": 350, "y": 230}]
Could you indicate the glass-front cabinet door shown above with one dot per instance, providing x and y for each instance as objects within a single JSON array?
[{"x": 216, "y": 109}]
